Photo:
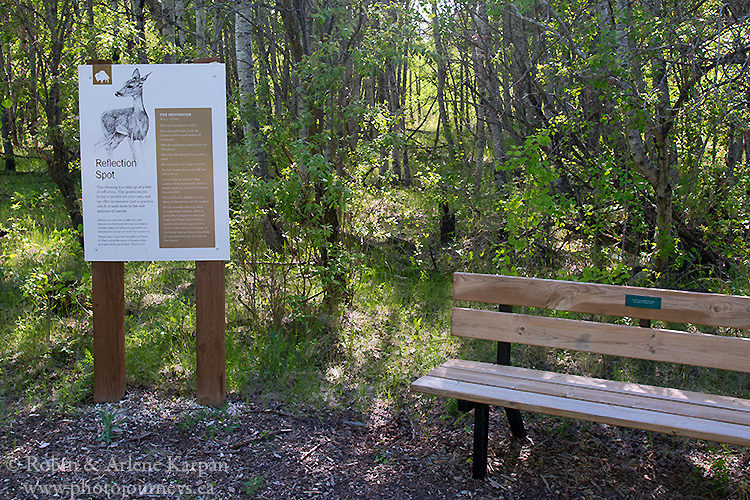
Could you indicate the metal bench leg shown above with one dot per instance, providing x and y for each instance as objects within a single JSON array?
[
  {"x": 515, "y": 420},
  {"x": 503, "y": 358},
  {"x": 514, "y": 416},
  {"x": 465, "y": 406},
  {"x": 481, "y": 427}
]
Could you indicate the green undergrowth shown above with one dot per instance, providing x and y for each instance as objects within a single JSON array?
[
  {"x": 44, "y": 285},
  {"x": 396, "y": 330},
  {"x": 391, "y": 327}
]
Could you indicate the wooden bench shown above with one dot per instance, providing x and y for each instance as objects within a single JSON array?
[{"x": 673, "y": 411}]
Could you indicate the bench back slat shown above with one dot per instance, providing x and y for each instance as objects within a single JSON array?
[
  {"x": 713, "y": 351},
  {"x": 614, "y": 300}
]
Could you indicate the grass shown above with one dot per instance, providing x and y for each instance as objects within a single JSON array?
[
  {"x": 254, "y": 485},
  {"x": 109, "y": 424},
  {"x": 396, "y": 330},
  {"x": 214, "y": 422},
  {"x": 394, "y": 326}
]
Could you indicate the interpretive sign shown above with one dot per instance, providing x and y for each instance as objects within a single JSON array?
[{"x": 154, "y": 162}]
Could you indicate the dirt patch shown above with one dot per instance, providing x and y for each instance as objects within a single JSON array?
[{"x": 162, "y": 447}]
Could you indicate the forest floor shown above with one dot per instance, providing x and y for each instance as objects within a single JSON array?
[{"x": 168, "y": 447}]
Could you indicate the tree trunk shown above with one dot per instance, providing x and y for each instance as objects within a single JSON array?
[
  {"x": 488, "y": 88},
  {"x": 516, "y": 46},
  {"x": 658, "y": 173},
  {"x": 405, "y": 74},
  {"x": 200, "y": 28},
  {"x": 665, "y": 244},
  {"x": 447, "y": 224},
  {"x": 480, "y": 143},
  {"x": 59, "y": 20},
  {"x": 298, "y": 24},
  {"x": 216, "y": 43},
  {"x": 383, "y": 99},
  {"x": 246, "y": 78},
  {"x": 180, "y": 6},
  {"x": 116, "y": 27},
  {"x": 136, "y": 7},
  {"x": 6, "y": 117},
  {"x": 268, "y": 75},
  {"x": 394, "y": 107},
  {"x": 269, "y": 25},
  {"x": 58, "y": 164},
  {"x": 91, "y": 43},
  {"x": 10, "y": 158},
  {"x": 442, "y": 76},
  {"x": 163, "y": 14}
]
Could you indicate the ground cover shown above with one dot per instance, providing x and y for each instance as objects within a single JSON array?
[
  {"x": 169, "y": 447},
  {"x": 318, "y": 406}
]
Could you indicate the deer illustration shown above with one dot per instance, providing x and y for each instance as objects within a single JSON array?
[{"x": 126, "y": 123}]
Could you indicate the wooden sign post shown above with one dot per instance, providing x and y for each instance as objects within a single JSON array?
[
  {"x": 210, "y": 326},
  {"x": 210, "y": 332},
  {"x": 108, "y": 287}
]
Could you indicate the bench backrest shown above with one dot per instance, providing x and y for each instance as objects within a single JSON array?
[{"x": 714, "y": 351}]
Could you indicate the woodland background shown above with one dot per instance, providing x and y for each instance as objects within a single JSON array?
[{"x": 375, "y": 148}]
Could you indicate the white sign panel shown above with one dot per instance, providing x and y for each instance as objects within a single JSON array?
[{"x": 154, "y": 170}]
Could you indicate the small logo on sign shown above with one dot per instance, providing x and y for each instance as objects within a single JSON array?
[{"x": 102, "y": 74}]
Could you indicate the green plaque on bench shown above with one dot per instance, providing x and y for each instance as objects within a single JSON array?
[{"x": 643, "y": 301}]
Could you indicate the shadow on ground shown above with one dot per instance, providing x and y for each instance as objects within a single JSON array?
[{"x": 164, "y": 447}]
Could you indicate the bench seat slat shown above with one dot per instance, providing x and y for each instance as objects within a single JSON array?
[
  {"x": 731, "y": 410},
  {"x": 676, "y": 306},
  {"x": 713, "y": 351},
  {"x": 712, "y": 400},
  {"x": 597, "y": 411}
]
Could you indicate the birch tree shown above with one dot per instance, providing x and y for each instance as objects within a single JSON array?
[{"x": 246, "y": 75}]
